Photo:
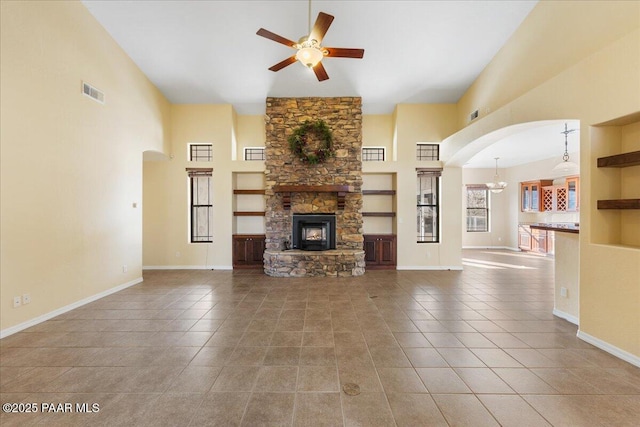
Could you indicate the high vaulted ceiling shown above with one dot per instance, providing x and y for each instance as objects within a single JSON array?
[{"x": 208, "y": 51}]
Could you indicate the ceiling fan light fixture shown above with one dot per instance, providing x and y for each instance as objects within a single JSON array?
[{"x": 309, "y": 56}]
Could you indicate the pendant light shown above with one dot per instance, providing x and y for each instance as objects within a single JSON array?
[
  {"x": 497, "y": 185},
  {"x": 566, "y": 166}
]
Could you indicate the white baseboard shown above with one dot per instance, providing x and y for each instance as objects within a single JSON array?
[
  {"x": 187, "y": 267},
  {"x": 36, "y": 320},
  {"x": 611, "y": 349},
  {"x": 429, "y": 267},
  {"x": 566, "y": 316}
]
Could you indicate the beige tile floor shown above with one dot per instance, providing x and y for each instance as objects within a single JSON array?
[{"x": 195, "y": 348}]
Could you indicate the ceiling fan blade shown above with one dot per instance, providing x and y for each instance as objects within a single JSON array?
[
  {"x": 276, "y": 38},
  {"x": 339, "y": 52},
  {"x": 280, "y": 65},
  {"x": 323, "y": 22},
  {"x": 321, "y": 73}
]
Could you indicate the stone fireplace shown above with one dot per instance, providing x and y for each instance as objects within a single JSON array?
[{"x": 331, "y": 189}]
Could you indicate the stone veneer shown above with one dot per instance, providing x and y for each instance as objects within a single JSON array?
[{"x": 344, "y": 117}]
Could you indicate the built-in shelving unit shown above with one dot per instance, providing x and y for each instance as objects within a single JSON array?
[
  {"x": 379, "y": 220},
  {"x": 622, "y": 160},
  {"x": 248, "y": 213},
  {"x": 615, "y": 182}
]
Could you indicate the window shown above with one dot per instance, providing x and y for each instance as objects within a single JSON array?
[
  {"x": 200, "y": 152},
  {"x": 200, "y": 204},
  {"x": 428, "y": 152},
  {"x": 373, "y": 154},
  {"x": 428, "y": 205},
  {"x": 477, "y": 208},
  {"x": 254, "y": 153}
]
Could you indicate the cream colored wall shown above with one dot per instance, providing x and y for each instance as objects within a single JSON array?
[
  {"x": 600, "y": 87},
  {"x": 250, "y": 132},
  {"x": 567, "y": 275},
  {"x": 166, "y": 190},
  {"x": 555, "y": 36},
  {"x": 377, "y": 131},
  {"x": 71, "y": 169}
]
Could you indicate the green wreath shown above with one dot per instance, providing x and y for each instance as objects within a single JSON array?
[{"x": 298, "y": 141}]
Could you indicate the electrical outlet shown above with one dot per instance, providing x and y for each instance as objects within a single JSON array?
[
  {"x": 26, "y": 299},
  {"x": 178, "y": 254},
  {"x": 125, "y": 268},
  {"x": 563, "y": 291},
  {"x": 17, "y": 301}
]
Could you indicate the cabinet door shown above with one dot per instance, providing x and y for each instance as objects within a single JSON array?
[
  {"x": 240, "y": 250},
  {"x": 256, "y": 248},
  {"x": 525, "y": 197},
  {"x": 370, "y": 250},
  {"x": 387, "y": 250},
  {"x": 573, "y": 195}
]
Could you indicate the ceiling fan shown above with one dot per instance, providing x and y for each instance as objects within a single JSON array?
[{"x": 310, "y": 51}]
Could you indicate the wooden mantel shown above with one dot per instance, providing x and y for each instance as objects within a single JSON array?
[{"x": 286, "y": 190}]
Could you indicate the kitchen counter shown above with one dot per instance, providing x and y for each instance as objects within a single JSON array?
[{"x": 565, "y": 227}]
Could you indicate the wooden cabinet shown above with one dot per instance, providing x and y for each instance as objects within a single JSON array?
[
  {"x": 248, "y": 250},
  {"x": 535, "y": 240},
  {"x": 531, "y": 195},
  {"x": 380, "y": 251},
  {"x": 562, "y": 198},
  {"x": 524, "y": 237}
]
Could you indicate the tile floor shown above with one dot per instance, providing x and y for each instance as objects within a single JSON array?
[{"x": 195, "y": 348}]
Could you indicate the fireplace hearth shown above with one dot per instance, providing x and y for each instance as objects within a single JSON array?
[{"x": 313, "y": 232}]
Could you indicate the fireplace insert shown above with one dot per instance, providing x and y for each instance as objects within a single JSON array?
[{"x": 313, "y": 232}]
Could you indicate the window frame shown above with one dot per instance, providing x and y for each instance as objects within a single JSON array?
[
  {"x": 246, "y": 149},
  {"x": 195, "y": 174},
  {"x": 431, "y": 145},
  {"x": 487, "y": 208},
  {"x": 435, "y": 205},
  {"x": 196, "y": 158},
  {"x": 369, "y": 147}
]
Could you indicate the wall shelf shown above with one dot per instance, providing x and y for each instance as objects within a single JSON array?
[
  {"x": 380, "y": 214},
  {"x": 248, "y": 191},
  {"x": 619, "y": 204},
  {"x": 248, "y": 213},
  {"x": 620, "y": 160},
  {"x": 379, "y": 192}
]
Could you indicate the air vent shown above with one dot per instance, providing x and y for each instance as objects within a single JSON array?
[
  {"x": 93, "y": 92},
  {"x": 473, "y": 116}
]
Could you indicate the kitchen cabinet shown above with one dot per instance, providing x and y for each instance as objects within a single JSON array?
[
  {"x": 524, "y": 237},
  {"x": 562, "y": 198},
  {"x": 248, "y": 250},
  {"x": 531, "y": 196},
  {"x": 380, "y": 251}
]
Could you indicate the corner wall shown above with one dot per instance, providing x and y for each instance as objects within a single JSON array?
[{"x": 71, "y": 168}]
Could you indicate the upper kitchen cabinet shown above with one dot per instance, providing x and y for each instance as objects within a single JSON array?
[
  {"x": 531, "y": 199},
  {"x": 562, "y": 197}
]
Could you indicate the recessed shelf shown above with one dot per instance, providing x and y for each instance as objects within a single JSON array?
[
  {"x": 380, "y": 192},
  {"x": 380, "y": 214},
  {"x": 248, "y": 191},
  {"x": 620, "y": 160},
  {"x": 248, "y": 213},
  {"x": 619, "y": 204}
]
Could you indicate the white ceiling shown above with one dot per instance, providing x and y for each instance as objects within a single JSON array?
[
  {"x": 526, "y": 143},
  {"x": 208, "y": 51}
]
